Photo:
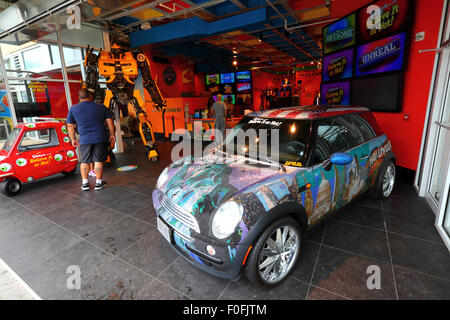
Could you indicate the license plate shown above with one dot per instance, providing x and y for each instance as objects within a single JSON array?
[{"x": 164, "y": 229}]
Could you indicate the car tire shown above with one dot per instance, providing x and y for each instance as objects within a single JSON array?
[
  {"x": 384, "y": 185},
  {"x": 10, "y": 187},
  {"x": 69, "y": 173},
  {"x": 253, "y": 271}
]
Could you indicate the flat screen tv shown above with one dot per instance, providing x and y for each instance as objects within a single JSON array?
[
  {"x": 243, "y": 76},
  {"x": 380, "y": 56},
  {"x": 245, "y": 86},
  {"x": 338, "y": 66},
  {"x": 339, "y": 35},
  {"x": 212, "y": 79},
  {"x": 337, "y": 93},
  {"x": 382, "y": 94},
  {"x": 225, "y": 96},
  {"x": 227, "y": 77}
]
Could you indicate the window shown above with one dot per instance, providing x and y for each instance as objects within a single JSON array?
[
  {"x": 39, "y": 139},
  {"x": 337, "y": 134},
  {"x": 11, "y": 139},
  {"x": 37, "y": 57},
  {"x": 363, "y": 127}
]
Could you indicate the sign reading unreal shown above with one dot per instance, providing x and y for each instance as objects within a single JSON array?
[
  {"x": 381, "y": 56},
  {"x": 338, "y": 66},
  {"x": 340, "y": 34}
]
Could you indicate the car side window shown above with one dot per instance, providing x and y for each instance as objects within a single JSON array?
[
  {"x": 337, "y": 134},
  {"x": 364, "y": 128},
  {"x": 39, "y": 139}
]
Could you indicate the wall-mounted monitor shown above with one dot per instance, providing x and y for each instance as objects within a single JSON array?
[
  {"x": 395, "y": 16},
  {"x": 336, "y": 93},
  {"x": 228, "y": 89},
  {"x": 225, "y": 96},
  {"x": 379, "y": 93},
  {"x": 227, "y": 77},
  {"x": 243, "y": 76},
  {"x": 244, "y": 86},
  {"x": 338, "y": 66},
  {"x": 339, "y": 35},
  {"x": 212, "y": 79},
  {"x": 384, "y": 55}
]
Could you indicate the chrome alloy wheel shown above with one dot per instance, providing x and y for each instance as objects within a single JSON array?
[
  {"x": 279, "y": 254},
  {"x": 389, "y": 180}
]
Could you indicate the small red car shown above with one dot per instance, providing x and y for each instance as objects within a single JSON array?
[{"x": 34, "y": 151}]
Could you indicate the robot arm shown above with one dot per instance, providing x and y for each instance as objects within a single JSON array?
[
  {"x": 150, "y": 84},
  {"x": 91, "y": 67}
]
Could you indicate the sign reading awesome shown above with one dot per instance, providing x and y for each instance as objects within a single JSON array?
[{"x": 340, "y": 34}]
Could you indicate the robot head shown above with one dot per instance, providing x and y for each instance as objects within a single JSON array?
[{"x": 117, "y": 50}]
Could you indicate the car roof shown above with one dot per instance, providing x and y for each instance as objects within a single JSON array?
[
  {"x": 308, "y": 112},
  {"x": 40, "y": 125}
]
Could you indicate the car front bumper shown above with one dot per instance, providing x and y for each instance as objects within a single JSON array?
[{"x": 226, "y": 263}]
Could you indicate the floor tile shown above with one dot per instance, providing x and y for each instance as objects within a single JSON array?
[
  {"x": 113, "y": 280},
  {"x": 28, "y": 252},
  {"x": 305, "y": 265},
  {"x": 365, "y": 216},
  {"x": 146, "y": 214},
  {"x": 96, "y": 219},
  {"x": 20, "y": 226},
  {"x": 159, "y": 291},
  {"x": 412, "y": 225},
  {"x": 320, "y": 294},
  {"x": 49, "y": 278},
  {"x": 415, "y": 286},
  {"x": 120, "y": 235},
  {"x": 151, "y": 254},
  {"x": 359, "y": 240},
  {"x": 346, "y": 275},
  {"x": 366, "y": 201},
  {"x": 192, "y": 282},
  {"x": 419, "y": 207},
  {"x": 290, "y": 289},
  {"x": 423, "y": 256}
]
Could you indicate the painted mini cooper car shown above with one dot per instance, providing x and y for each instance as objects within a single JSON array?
[
  {"x": 34, "y": 151},
  {"x": 241, "y": 217}
]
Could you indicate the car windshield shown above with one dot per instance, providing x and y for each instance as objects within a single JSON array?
[
  {"x": 11, "y": 139},
  {"x": 293, "y": 136}
]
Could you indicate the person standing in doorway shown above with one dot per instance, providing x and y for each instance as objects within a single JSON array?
[
  {"x": 219, "y": 111},
  {"x": 89, "y": 118}
]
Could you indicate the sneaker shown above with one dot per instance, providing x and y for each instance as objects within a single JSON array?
[
  {"x": 92, "y": 174},
  {"x": 85, "y": 187},
  {"x": 100, "y": 186}
]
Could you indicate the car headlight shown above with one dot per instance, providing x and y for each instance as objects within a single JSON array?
[
  {"x": 226, "y": 219},
  {"x": 162, "y": 178}
]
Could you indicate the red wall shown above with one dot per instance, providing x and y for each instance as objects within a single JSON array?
[
  {"x": 406, "y": 136},
  {"x": 262, "y": 80}
]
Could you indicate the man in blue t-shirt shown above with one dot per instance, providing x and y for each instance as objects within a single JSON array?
[{"x": 89, "y": 118}]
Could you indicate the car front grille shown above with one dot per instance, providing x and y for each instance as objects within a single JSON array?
[{"x": 178, "y": 212}]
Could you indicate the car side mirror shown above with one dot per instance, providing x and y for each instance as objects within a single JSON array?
[{"x": 341, "y": 159}]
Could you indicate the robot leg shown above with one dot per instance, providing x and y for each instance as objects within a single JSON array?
[{"x": 145, "y": 129}]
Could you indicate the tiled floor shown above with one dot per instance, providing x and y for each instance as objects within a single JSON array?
[{"x": 111, "y": 236}]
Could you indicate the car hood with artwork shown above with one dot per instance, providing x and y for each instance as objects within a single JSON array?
[{"x": 202, "y": 186}]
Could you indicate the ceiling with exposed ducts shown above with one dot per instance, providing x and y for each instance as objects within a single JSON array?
[{"x": 257, "y": 33}]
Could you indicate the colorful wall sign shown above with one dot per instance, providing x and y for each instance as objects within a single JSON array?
[
  {"x": 5, "y": 112},
  {"x": 383, "y": 18},
  {"x": 336, "y": 93},
  {"x": 338, "y": 66},
  {"x": 381, "y": 56},
  {"x": 340, "y": 34}
]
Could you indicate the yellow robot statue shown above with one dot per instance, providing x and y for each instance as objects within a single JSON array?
[{"x": 120, "y": 69}]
